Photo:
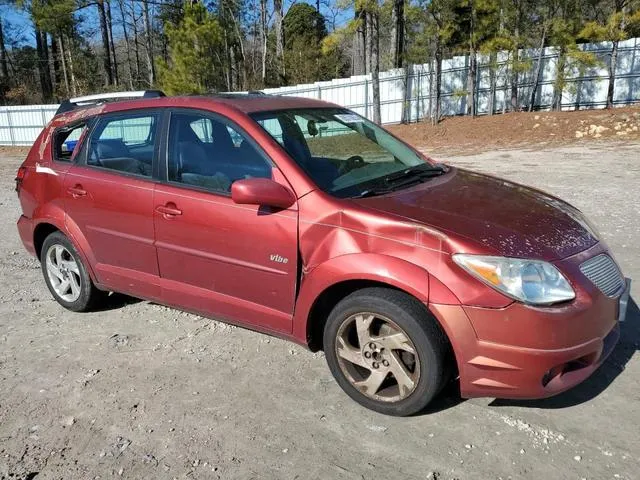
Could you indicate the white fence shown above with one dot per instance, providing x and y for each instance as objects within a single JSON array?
[{"x": 584, "y": 88}]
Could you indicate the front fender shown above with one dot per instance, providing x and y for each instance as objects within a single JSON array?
[{"x": 385, "y": 269}]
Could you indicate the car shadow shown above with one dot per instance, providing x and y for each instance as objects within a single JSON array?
[
  {"x": 448, "y": 398},
  {"x": 115, "y": 301},
  {"x": 627, "y": 346}
]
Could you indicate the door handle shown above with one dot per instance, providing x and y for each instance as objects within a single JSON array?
[
  {"x": 169, "y": 210},
  {"x": 76, "y": 191}
]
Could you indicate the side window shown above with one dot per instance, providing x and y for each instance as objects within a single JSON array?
[
  {"x": 124, "y": 143},
  {"x": 66, "y": 142},
  {"x": 209, "y": 153}
]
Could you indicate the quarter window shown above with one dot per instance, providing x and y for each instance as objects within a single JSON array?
[
  {"x": 209, "y": 153},
  {"x": 67, "y": 142},
  {"x": 124, "y": 144}
]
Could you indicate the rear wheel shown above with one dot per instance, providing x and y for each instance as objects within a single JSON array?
[
  {"x": 385, "y": 351},
  {"x": 66, "y": 276}
]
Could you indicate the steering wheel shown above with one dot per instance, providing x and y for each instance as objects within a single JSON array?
[{"x": 351, "y": 163}]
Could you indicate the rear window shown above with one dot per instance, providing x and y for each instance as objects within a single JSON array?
[{"x": 124, "y": 143}]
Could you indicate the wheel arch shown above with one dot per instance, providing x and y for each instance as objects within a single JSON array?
[
  {"x": 327, "y": 300},
  {"x": 40, "y": 233},
  {"x": 53, "y": 223},
  {"x": 323, "y": 287}
]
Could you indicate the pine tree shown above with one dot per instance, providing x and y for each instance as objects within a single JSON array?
[{"x": 192, "y": 45}]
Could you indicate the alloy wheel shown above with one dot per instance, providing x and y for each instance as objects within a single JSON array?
[
  {"x": 63, "y": 273},
  {"x": 377, "y": 357}
]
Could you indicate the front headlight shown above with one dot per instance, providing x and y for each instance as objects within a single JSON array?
[{"x": 530, "y": 281}]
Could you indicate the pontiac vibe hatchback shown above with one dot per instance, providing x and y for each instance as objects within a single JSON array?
[{"x": 301, "y": 219}]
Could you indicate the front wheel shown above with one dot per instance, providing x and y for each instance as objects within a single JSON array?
[{"x": 385, "y": 351}]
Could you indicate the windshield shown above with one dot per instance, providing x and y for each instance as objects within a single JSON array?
[{"x": 344, "y": 154}]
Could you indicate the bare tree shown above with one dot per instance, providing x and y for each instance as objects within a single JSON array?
[
  {"x": 136, "y": 42},
  {"x": 242, "y": 77},
  {"x": 538, "y": 69},
  {"x": 374, "y": 60},
  {"x": 4, "y": 70},
  {"x": 149, "y": 43},
  {"x": 397, "y": 33},
  {"x": 435, "y": 118},
  {"x": 359, "y": 64},
  {"x": 493, "y": 65},
  {"x": 263, "y": 39},
  {"x": 43, "y": 64},
  {"x": 112, "y": 48},
  {"x": 63, "y": 63},
  {"x": 126, "y": 41},
  {"x": 473, "y": 65},
  {"x": 621, "y": 8},
  {"x": 515, "y": 54},
  {"x": 72, "y": 75},
  {"x": 278, "y": 17},
  {"x": 106, "y": 56}
]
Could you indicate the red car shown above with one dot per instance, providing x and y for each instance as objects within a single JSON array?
[{"x": 302, "y": 219}]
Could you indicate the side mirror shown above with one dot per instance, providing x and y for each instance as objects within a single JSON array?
[{"x": 261, "y": 191}]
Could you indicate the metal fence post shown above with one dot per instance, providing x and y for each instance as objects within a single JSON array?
[
  {"x": 419, "y": 94},
  {"x": 44, "y": 117},
  {"x": 366, "y": 98},
  {"x": 319, "y": 92},
  {"x": 10, "y": 122}
]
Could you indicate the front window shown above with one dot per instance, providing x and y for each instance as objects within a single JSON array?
[
  {"x": 207, "y": 152},
  {"x": 345, "y": 154}
]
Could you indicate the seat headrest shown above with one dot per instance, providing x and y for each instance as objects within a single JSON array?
[{"x": 112, "y": 148}]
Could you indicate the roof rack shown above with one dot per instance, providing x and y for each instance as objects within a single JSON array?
[
  {"x": 79, "y": 102},
  {"x": 249, "y": 93}
]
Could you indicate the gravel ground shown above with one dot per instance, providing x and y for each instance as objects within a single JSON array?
[{"x": 143, "y": 391}]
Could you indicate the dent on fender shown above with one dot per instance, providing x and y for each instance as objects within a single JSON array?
[
  {"x": 349, "y": 231},
  {"x": 353, "y": 244}
]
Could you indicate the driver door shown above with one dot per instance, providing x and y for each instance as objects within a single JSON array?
[{"x": 238, "y": 262}]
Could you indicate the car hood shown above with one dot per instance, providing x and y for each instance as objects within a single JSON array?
[{"x": 500, "y": 216}]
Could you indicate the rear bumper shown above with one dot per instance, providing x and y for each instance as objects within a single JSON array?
[
  {"x": 523, "y": 352},
  {"x": 25, "y": 229}
]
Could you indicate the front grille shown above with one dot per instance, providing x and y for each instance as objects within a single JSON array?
[{"x": 604, "y": 274}]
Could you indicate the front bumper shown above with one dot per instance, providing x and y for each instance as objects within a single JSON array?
[
  {"x": 529, "y": 352},
  {"x": 25, "y": 229},
  {"x": 496, "y": 370}
]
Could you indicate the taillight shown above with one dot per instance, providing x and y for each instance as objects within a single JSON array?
[{"x": 22, "y": 171}]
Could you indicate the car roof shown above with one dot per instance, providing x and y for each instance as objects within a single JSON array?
[
  {"x": 246, "y": 103},
  {"x": 250, "y": 103}
]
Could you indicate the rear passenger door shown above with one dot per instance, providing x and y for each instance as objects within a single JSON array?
[
  {"x": 109, "y": 198},
  {"x": 215, "y": 256}
]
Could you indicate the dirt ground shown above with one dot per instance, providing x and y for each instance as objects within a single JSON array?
[
  {"x": 139, "y": 391},
  {"x": 458, "y": 135}
]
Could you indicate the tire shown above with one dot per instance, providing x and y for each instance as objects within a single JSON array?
[
  {"x": 61, "y": 263},
  {"x": 369, "y": 373}
]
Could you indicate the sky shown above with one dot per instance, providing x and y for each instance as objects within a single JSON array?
[{"x": 18, "y": 20}]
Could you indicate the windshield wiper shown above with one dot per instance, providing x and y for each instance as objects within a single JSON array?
[
  {"x": 424, "y": 170},
  {"x": 397, "y": 185},
  {"x": 373, "y": 192},
  {"x": 404, "y": 178}
]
